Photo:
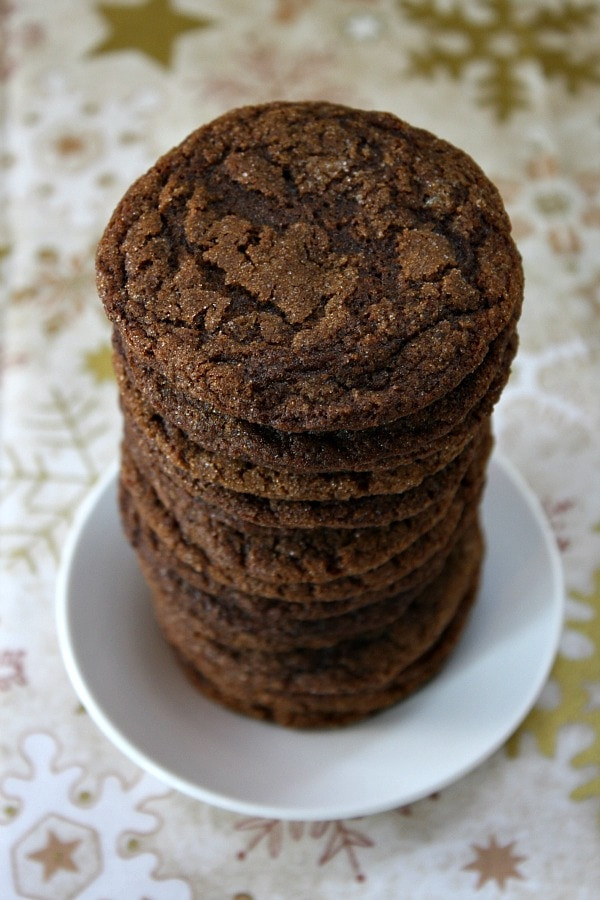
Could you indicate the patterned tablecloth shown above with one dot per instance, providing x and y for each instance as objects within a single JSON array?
[{"x": 93, "y": 92}]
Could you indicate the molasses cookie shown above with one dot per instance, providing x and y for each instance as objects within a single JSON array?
[
  {"x": 184, "y": 458},
  {"x": 304, "y": 602},
  {"x": 284, "y": 555},
  {"x": 323, "y": 711},
  {"x": 311, "y": 267},
  {"x": 314, "y": 313},
  {"x": 441, "y": 428},
  {"x": 136, "y": 494},
  {"x": 229, "y": 624},
  {"x": 364, "y": 663},
  {"x": 188, "y": 497}
]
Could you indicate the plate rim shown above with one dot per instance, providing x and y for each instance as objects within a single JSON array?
[{"x": 270, "y": 810}]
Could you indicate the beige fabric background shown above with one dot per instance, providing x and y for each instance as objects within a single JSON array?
[{"x": 92, "y": 93}]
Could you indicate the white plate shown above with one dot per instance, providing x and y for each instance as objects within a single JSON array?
[{"x": 132, "y": 687}]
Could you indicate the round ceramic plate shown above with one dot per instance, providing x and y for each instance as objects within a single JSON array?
[{"x": 128, "y": 680}]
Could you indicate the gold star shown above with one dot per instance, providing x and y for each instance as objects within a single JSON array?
[
  {"x": 495, "y": 863},
  {"x": 56, "y": 855},
  {"x": 151, "y": 27}
]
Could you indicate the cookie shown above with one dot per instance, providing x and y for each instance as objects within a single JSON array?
[
  {"x": 315, "y": 711},
  {"x": 442, "y": 428},
  {"x": 182, "y": 458},
  {"x": 186, "y": 497},
  {"x": 138, "y": 498},
  {"x": 311, "y": 267},
  {"x": 214, "y": 617},
  {"x": 314, "y": 313},
  {"x": 284, "y": 555},
  {"x": 238, "y": 620},
  {"x": 364, "y": 663},
  {"x": 346, "y": 595}
]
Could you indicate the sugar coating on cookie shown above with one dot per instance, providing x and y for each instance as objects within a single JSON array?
[
  {"x": 314, "y": 313},
  {"x": 311, "y": 267}
]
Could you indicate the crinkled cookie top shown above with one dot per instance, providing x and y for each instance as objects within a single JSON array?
[{"x": 311, "y": 267}]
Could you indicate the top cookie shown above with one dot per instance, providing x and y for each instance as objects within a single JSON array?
[{"x": 311, "y": 267}]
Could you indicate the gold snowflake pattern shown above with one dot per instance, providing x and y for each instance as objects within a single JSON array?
[
  {"x": 42, "y": 491},
  {"x": 337, "y": 836},
  {"x": 151, "y": 28},
  {"x": 495, "y": 862},
  {"x": 61, "y": 289},
  {"x": 98, "y": 364},
  {"x": 575, "y": 679},
  {"x": 564, "y": 208},
  {"x": 498, "y": 40}
]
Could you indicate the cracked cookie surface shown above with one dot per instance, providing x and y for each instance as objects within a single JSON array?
[{"x": 311, "y": 267}]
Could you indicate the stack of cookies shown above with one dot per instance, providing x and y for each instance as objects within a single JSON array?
[{"x": 314, "y": 313}]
